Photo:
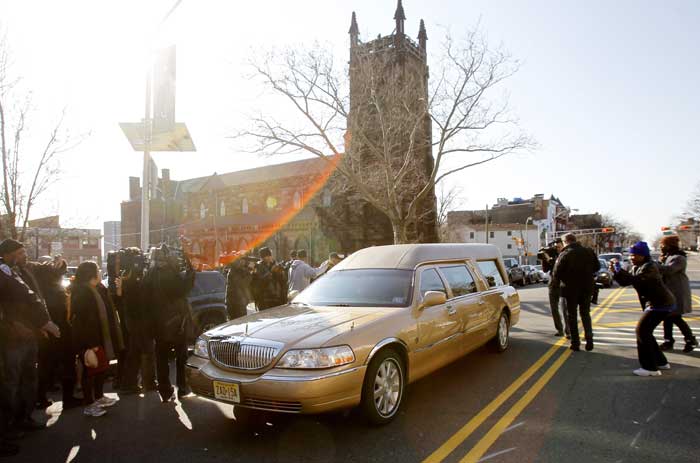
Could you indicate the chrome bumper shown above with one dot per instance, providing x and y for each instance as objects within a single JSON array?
[{"x": 287, "y": 391}]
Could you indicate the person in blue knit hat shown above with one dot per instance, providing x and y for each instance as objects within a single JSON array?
[{"x": 657, "y": 303}]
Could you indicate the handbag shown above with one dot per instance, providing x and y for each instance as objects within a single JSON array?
[
  {"x": 96, "y": 361},
  {"x": 90, "y": 359}
]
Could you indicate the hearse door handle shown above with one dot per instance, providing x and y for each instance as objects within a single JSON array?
[{"x": 451, "y": 310}]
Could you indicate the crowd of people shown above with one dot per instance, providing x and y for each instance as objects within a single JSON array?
[
  {"x": 269, "y": 283},
  {"x": 53, "y": 333},
  {"x": 663, "y": 288},
  {"x": 48, "y": 331}
]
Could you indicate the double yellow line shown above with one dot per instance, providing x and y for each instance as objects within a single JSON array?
[{"x": 492, "y": 435}]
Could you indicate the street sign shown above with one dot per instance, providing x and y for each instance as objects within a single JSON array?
[
  {"x": 164, "y": 90},
  {"x": 178, "y": 139}
]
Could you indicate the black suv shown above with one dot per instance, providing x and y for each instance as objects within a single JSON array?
[{"x": 208, "y": 300}]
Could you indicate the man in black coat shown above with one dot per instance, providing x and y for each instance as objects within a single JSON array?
[
  {"x": 238, "y": 280},
  {"x": 167, "y": 289},
  {"x": 574, "y": 270},
  {"x": 56, "y": 355},
  {"x": 140, "y": 352},
  {"x": 269, "y": 282},
  {"x": 24, "y": 318}
]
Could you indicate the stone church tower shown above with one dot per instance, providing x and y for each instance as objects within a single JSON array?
[{"x": 400, "y": 65}]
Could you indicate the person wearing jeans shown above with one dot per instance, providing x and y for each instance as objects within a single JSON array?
[{"x": 657, "y": 302}]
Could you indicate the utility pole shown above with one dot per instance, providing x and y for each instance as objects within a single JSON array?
[
  {"x": 146, "y": 182},
  {"x": 487, "y": 224}
]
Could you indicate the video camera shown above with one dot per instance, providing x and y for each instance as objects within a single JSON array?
[
  {"x": 165, "y": 255},
  {"x": 128, "y": 261}
]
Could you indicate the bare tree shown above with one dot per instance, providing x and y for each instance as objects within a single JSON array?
[
  {"x": 692, "y": 208},
  {"x": 23, "y": 183},
  {"x": 448, "y": 199},
  {"x": 395, "y": 116}
]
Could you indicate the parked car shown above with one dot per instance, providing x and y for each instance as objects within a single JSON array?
[
  {"x": 604, "y": 277},
  {"x": 544, "y": 276},
  {"x": 208, "y": 300},
  {"x": 532, "y": 275},
  {"x": 383, "y": 318},
  {"x": 516, "y": 275}
]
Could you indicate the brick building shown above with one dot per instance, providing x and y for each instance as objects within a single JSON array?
[
  {"x": 274, "y": 206},
  {"x": 45, "y": 237}
]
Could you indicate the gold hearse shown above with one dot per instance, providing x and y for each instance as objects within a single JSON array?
[{"x": 384, "y": 317}]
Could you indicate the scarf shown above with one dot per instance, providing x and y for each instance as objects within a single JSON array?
[{"x": 104, "y": 326}]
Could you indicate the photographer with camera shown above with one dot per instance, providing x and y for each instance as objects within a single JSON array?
[
  {"x": 238, "y": 280},
  {"x": 167, "y": 284},
  {"x": 128, "y": 267},
  {"x": 549, "y": 256},
  {"x": 268, "y": 282}
]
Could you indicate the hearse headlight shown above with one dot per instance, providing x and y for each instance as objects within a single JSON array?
[
  {"x": 201, "y": 348},
  {"x": 327, "y": 357}
]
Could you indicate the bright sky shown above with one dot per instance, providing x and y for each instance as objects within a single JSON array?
[{"x": 609, "y": 90}]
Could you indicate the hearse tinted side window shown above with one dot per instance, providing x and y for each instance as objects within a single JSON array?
[
  {"x": 459, "y": 279},
  {"x": 430, "y": 281},
  {"x": 490, "y": 271}
]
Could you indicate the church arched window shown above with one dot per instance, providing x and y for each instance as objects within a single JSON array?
[
  {"x": 244, "y": 206},
  {"x": 202, "y": 210},
  {"x": 297, "y": 200}
]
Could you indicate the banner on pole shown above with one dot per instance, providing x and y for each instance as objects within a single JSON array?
[{"x": 164, "y": 90}]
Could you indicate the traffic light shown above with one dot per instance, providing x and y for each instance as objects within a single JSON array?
[
  {"x": 665, "y": 228},
  {"x": 685, "y": 227},
  {"x": 608, "y": 230}
]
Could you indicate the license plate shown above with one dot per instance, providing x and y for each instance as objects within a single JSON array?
[{"x": 227, "y": 391}]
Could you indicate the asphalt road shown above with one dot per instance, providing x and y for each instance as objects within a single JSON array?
[{"x": 537, "y": 402}]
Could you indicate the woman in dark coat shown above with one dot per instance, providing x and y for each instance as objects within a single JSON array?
[
  {"x": 657, "y": 302},
  {"x": 96, "y": 327},
  {"x": 673, "y": 266}
]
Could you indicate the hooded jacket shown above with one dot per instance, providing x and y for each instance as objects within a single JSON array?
[{"x": 301, "y": 274}]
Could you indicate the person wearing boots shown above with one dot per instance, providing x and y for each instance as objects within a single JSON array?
[
  {"x": 574, "y": 270},
  {"x": 657, "y": 302},
  {"x": 673, "y": 269}
]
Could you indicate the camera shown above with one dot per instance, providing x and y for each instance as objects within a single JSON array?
[
  {"x": 164, "y": 255},
  {"x": 128, "y": 261},
  {"x": 547, "y": 254}
]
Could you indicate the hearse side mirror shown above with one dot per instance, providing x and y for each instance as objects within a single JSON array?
[{"x": 433, "y": 298}]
